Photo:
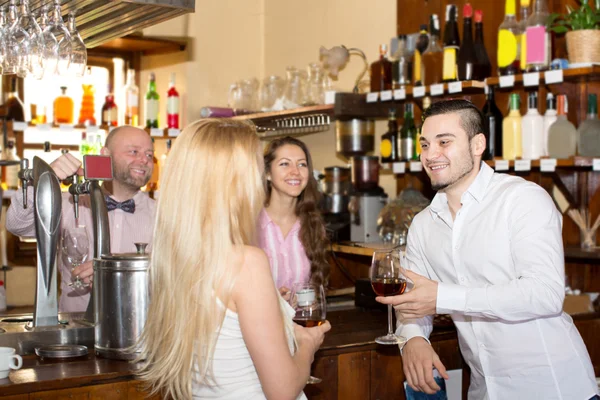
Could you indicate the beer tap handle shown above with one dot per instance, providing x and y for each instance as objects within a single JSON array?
[
  {"x": 76, "y": 189},
  {"x": 25, "y": 176}
]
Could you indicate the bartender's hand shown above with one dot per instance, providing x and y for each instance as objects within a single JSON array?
[
  {"x": 285, "y": 293},
  {"x": 312, "y": 337},
  {"x": 85, "y": 272},
  {"x": 418, "y": 361},
  {"x": 66, "y": 165},
  {"x": 419, "y": 302}
]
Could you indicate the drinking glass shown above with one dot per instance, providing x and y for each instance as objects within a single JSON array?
[
  {"x": 31, "y": 63},
  {"x": 17, "y": 43},
  {"x": 308, "y": 301},
  {"x": 387, "y": 280},
  {"x": 58, "y": 29},
  {"x": 50, "y": 49},
  {"x": 75, "y": 246},
  {"x": 78, "y": 51}
]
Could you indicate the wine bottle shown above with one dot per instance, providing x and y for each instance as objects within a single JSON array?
[
  {"x": 483, "y": 67},
  {"x": 508, "y": 34},
  {"x": 493, "y": 118},
  {"x": 466, "y": 56},
  {"x": 451, "y": 45}
]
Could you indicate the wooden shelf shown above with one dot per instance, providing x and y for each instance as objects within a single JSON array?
[
  {"x": 572, "y": 75},
  {"x": 142, "y": 44},
  {"x": 579, "y": 255},
  {"x": 295, "y": 112}
]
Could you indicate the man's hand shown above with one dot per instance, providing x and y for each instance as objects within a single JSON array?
[
  {"x": 419, "y": 302},
  {"x": 65, "y": 166},
  {"x": 85, "y": 272},
  {"x": 418, "y": 360}
]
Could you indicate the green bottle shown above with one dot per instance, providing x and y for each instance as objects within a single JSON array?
[
  {"x": 408, "y": 135},
  {"x": 152, "y": 103}
]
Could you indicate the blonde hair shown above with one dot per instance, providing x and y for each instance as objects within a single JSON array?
[{"x": 211, "y": 196}]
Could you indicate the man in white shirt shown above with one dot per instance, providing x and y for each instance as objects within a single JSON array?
[
  {"x": 488, "y": 251},
  {"x": 131, "y": 212}
]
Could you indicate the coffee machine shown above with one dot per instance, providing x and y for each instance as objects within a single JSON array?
[
  {"x": 367, "y": 200},
  {"x": 337, "y": 188}
]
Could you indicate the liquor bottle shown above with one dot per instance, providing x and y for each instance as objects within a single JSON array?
[
  {"x": 14, "y": 106},
  {"x": 549, "y": 119},
  {"x": 86, "y": 114},
  {"x": 110, "y": 112},
  {"x": 508, "y": 33},
  {"x": 172, "y": 105},
  {"x": 426, "y": 105},
  {"x": 562, "y": 136},
  {"x": 381, "y": 71},
  {"x": 388, "y": 148},
  {"x": 588, "y": 139},
  {"x": 401, "y": 65},
  {"x": 451, "y": 45},
  {"x": 420, "y": 48},
  {"x": 467, "y": 58},
  {"x": 433, "y": 57},
  {"x": 84, "y": 145},
  {"x": 511, "y": 130},
  {"x": 539, "y": 44},
  {"x": 523, "y": 30},
  {"x": 63, "y": 108},
  {"x": 132, "y": 94},
  {"x": 483, "y": 67},
  {"x": 152, "y": 103},
  {"x": 532, "y": 130},
  {"x": 492, "y": 117},
  {"x": 152, "y": 185},
  {"x": 407, "y": 134},
  {"x": 10, "y": 173}
]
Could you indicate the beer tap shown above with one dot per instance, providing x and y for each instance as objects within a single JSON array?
[{"x": 26, "y": 176}]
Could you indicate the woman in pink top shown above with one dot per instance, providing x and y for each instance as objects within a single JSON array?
[{"x": 291, "y": 229}]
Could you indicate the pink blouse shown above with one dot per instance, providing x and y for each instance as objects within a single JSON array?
[{"x": 289, "y": 263}]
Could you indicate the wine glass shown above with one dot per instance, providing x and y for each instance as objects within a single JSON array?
[
  {"x": 17, "y": 43},
  {"x": 50, "y": 49},
  {"x": 387, "y": 280},
  {"x": 78, "y": 51},
  {"x": 58, "y": 29},
  {"x": 32, "y": 62},
  {"x": 75, "y": 246},
  {"x": 308, "y": 301}
]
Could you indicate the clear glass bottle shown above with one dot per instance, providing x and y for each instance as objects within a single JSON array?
[
  {"x": 511, "y": 130},
  {"x": 401, "y": 65},
  {"x": 10, "y": 173},
  {"x": 467, "y": 59},
  {"x": 172, "y": 105},
  {"x": 433, "y": 57},
  {"x": 110, "y": 111},
  {"x": 14, "y": 106},
  {"x": 381, "y": 71},
  {"x": 539, "y": 43},
  {"x": 508, "y": 45},
  {"x": 152, "y": 98},
  {"x": 524, "y": 14},
  {"x": 451, "y": 45},
  {"x": 63, "y": 108},
  {"x": 532, "y": 129},
  {"x": 132, "y": 94},
  {"x": 562, "y": 136},
  {"x": 492, "y": 117},
  {"x": 549, "y": 119},
  {"x": 588, "y": 140}
]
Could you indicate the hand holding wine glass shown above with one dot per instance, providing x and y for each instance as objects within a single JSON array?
[{"x": 75, "y": 247}]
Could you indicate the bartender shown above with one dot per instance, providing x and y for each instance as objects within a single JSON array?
[{"x": 130, "y": 211}]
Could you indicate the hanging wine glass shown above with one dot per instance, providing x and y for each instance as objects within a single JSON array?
[
  {"x": 17, "y": 44},
  {"x": 3, "y": 34},
  {"x": 50, "y": 50},
  {"x": 78, "y": 51},
  {"x": 32, "y": 62},
  {"x": 63, "y": 38}
]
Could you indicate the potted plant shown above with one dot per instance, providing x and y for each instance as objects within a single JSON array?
[{"x": 582, "y": 28}]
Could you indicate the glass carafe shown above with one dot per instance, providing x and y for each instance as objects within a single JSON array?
[
  {"x": 295, "y": 90},
  {"x": 314, "y": 89}
]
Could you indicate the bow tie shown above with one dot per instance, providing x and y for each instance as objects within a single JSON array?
[{"x": 127, "y": 205}]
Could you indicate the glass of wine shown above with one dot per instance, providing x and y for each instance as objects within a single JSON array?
[
  {"x": 387, "y": 280},
  {"x": 308, "y": 301},
  {"x": 75, "y": 245}
]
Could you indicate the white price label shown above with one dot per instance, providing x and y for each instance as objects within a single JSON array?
[
  {"x": 156, "y": 132},
  {"x": 419, "y": 91},
  {"x": 522, "y": 165},
  {"x": 399, "y": 94},
  {"x": 507, "y": 81},
  {"x": 386, "y": 166},
  {"x": 44, "y": 127},
  {"x": 455, "y": 87},
  {"x": 501, "y": 165},
  {"x": 330, "y": 97},
  {"x": 416, "y": 166},
  {"x": 385, "y": 95},
  {"x": 548, "y": 164},
  {"x": 399, "y": 167},
  {"x": 596, "y": 164},
  {"x": 91, "y": 129},
  {"x": 19, "y": 126},
  {"x": 65, "y": 127},
  {"x": 172, "y": 132},
  {"x": 554, "y": 76},
  {"x": 531, "y": 79},
  {"x": 372, "y": 97},
  {"x": 436, "y": 90}
]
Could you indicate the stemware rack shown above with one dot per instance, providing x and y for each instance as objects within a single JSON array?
[{"x": 293, "y": 125}]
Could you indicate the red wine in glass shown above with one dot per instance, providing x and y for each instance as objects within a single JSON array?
[{"x": 388, "y": 286}]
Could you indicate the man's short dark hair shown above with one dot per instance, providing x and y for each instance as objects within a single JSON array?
[{"x": 471, "y": 118}]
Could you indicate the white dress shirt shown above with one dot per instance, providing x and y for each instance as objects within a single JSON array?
[{"x": 500, "y": 268}]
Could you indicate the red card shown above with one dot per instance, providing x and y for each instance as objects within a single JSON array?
[{"x": 97, "y": 168}]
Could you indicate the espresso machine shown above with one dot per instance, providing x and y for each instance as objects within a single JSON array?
[{"x": 337, "y": 187}]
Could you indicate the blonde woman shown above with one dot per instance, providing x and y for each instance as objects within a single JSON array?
[{"x": 216, "y": 326}]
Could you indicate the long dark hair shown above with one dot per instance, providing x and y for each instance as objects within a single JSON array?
[{"x": 312, "y": 229}]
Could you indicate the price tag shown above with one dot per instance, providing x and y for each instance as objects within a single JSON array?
[
  {"x": 172, "y": 132},
  {"x": 399, "y": 167},
  {"x": 330, "y": 97},
  {"x": 399, "y": 94},
  {"x": 554, "y": 76},
  {"x": 19, "y": 126},
  {"x": 385, "y": 95},
  {"x": 386, "y": 166},
  {"x": 548, "y": 164},
  {"x": 44, "y": 127},
  {"x": 419, "y": 91},
  {"x": 522, "y": 165},
  {"x": 531, "y": 79},
  {"x": 416, "y": 166},
  {"x": 455, "y": 87},
  {"x": 91, "y": 129},
  {"x": 156, "y": 132},
  {"x": 501, "y": 165},
  {"x": 65, "y": 127},
  {"x": 596, "y": 164},
  {"x": 507, "y": 81},
  {"x": 372, "y": 97},
  {"x": 436, "y": 90}
]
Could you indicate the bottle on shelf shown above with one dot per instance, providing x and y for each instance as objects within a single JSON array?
[
  {"x": 549, "y": 119},
  {"x": 524, "y": 14},
  {"x": 511, "y": 130},
  {"x": 467, "y": 58},
  {"x": 483, "y": 67},
  {"x": 420, "y": 48},
  {"x": 86, "y": 114},
  {"x": 508, "y": 45},
  {"x": 562, "y": 136},
  {"x": 433, "y": 57},
  {"x": 172, "y": 105},
  {"x": 407, "y": 134},
  {"x": 152, "y": 98},
  {"x": 388, "y": 149},
  {"x": 15, "y": 111},
  {"x": 152, "y": 185},
  {"x": 588, "y": 134},
  {"x": 132, "y": 94},
  {"x": 381, "y": 71},
  {"x": 38, "y": 114},
  {"x": 492, "y": 118},
  {"x": 451, "y": 45},
  {"x": 426, "y": 105},
  {"x": 532, "y": 130},
  {"x": 110, "y": 114},
  {"x": 63, "y": 108},
  {"x": 401, "y": 65},
  {"x": 539, "y": 43},
  {"x": 10, "y": 173}
]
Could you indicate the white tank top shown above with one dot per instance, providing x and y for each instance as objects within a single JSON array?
[{"x": 233, "y": 370}]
